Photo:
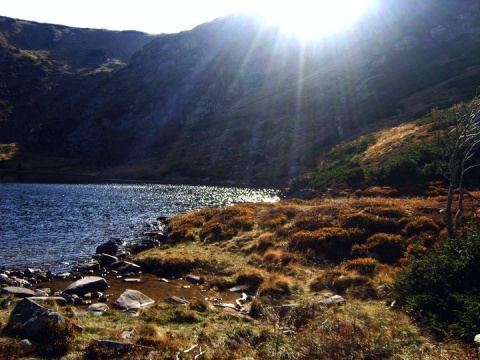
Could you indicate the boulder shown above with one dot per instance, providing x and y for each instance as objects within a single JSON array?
[
  {"x": 86, "y": 285},
  {"x": 18, "y": 291},
  {"x": 110, "y": 248},
  {"x": 132, "y": 301},
  {"x": 126, "y": 267},
  {"x": 194, "y": 279},
  {"x": 107, "y": 260},
  {"x": 32, "y": 321}
]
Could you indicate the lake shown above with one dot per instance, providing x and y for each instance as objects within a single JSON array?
[{"x": 53, "y": 226}]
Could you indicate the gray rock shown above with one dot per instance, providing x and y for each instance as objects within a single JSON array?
[
  {"x": 132, "y": 300},
  {"x": 131, "y": 280},
  {"x": 87, "y": 284},
  {"x": 98, "y": 307},
  {"x": 18, "y": 291},
  {"x": 177, "y": 300},
  {"x": 109, "y": 248},
  {"x": 332, "y": 300},
  {"x": 30, "y": 320},
  {"x": 194, "y": 279},
  {"x": 107, "y": 260},
  {"x": 26, "y": 345},
  {"x": 126, "y": 267}
]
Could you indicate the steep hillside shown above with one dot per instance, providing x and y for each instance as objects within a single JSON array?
[
  {"x": 46, "y": 69},
  {"x": 235, "y": 101}
]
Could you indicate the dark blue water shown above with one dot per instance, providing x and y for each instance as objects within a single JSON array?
[{"x": 52, "y": 226}]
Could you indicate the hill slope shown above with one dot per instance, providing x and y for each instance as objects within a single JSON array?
[{"x": 235, "y": 101}]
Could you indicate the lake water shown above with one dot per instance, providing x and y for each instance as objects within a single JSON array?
[{"x": 52, "y": 226}]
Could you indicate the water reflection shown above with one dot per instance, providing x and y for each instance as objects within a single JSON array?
[{"x": 52, "y": 225}]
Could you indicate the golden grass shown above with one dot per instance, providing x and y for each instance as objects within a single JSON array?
[
  {"x": 390, "y": 140},
  {"x": 283, "y": 247}
]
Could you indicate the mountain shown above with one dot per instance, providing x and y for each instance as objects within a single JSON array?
[{"x": 232, "y": 101}]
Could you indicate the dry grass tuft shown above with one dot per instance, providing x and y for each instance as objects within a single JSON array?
[
  {"x": 338, "y": 281},
  {"x": 276, "y": 285},
  {"x": 363, "y": 266},
  {"x": 276, "y": 216},
  {"x": 228, "y": 223}
]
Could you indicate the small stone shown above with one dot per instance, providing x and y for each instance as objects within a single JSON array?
[
  {"x": 99, "y": 307},
  {"x": 177, "y": 300},
  {"x": 131, "y": 280},
  {"x": 194, "y": 279}
]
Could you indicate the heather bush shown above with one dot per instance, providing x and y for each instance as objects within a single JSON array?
[
  {"x": 363, "y": 266},
  {"x": 420, "y": 225},
  {"x": 251, "y": 276},
  {"x": 389, "y": 247},
  {"x": 333, "y": 243},
  {"x": 311, "y": 220},
  {"x": 337, "y": 281},
  {"x": 276, "y": 285},
  {"x": 275, "y": 217},
  {"x": 376, "y": 191},
  {"x": 371, "y": 223},
  {"x": 442, "y": 287},
  {"x": 228, "y": 223}
]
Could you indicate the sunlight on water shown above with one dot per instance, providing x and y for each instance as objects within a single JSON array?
[{"x": 53, "y": 225}]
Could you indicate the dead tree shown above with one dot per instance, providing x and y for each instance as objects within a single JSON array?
[{"x": 463, "y": 142}]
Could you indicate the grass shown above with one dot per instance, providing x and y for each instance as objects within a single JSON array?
[{"x": 287, "y": 255}]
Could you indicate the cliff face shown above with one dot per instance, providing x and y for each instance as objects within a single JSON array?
[{"x": 234, "y": 100}]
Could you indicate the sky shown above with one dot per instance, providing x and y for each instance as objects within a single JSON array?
[
  {"x": 172, "y": 16},
  {"x": 151, "y": 16}
]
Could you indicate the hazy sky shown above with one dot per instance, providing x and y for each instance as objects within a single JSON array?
[
  {"x": 152, "y": 16},
  {"x": 305, "y": 17}
]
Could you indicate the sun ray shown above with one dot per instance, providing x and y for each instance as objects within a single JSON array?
[{"x": 310, "y": 19}]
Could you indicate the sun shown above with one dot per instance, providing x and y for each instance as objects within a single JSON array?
[{"x": 309, "y": 18}]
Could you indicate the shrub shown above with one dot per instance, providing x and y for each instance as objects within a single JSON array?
[
  {"x": 420, "y": 225},
  {"x": 276, "y": 285},
  {"x": 311, "y": 220},
  {"x": 185, "y": 227},
  {"x": 389, "y": 247},
  {"x": 251, "y": 276},
  {"x": 337, "y": 281},
  {"x": 363, "y": 266},
  {"x": 59, "y": 338},
  {"x": 274, "y": 217},
  {"x": 228, "y": 223},
  {"x": 176, "y": 264},
  {"x": 262, "y": 243},
  {"x": 380, "y": 191},
  {"x": 371, "y": 223},
  {"x": 442, "y": 287},
  {"x": 278, "y": 259},
  {"x": 334, "y": 243}
]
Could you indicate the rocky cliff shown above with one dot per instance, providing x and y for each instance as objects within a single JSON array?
[{"x": 234, "y": 100}]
